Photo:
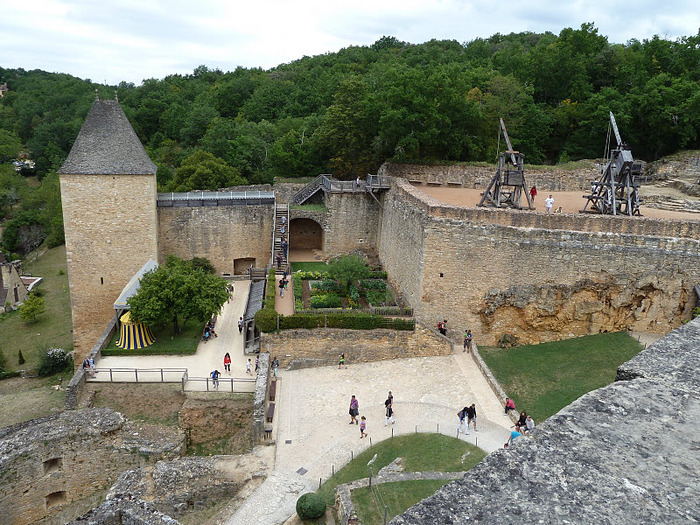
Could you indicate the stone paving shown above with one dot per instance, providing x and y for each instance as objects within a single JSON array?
[{"x": 313, "y": 434}]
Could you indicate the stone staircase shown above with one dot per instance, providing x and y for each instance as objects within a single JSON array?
[{"x": 281, "y": 236}]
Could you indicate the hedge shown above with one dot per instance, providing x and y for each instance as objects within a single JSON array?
[{"x": 358, "y": 321}]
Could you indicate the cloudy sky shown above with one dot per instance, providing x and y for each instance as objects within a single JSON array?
[{"x": 131, "y": 40}]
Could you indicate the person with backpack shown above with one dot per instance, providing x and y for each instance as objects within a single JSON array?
[
  {"x": 462, "y": 415},
  {"x": 215, "y": 378}
]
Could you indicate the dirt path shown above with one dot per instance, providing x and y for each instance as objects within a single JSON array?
[{"x": 570, "y": 201}]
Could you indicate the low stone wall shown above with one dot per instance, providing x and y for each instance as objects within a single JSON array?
[
  {"x": 546, "y": 178},
  {"x": 77, "y": 382},
  {"x": 261, "y": 385},
  {"x": 297, "y": 349},
  {"x": 624, "y": 454}
]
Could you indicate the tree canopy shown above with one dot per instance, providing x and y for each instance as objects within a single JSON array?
[
  {"x": 347, "y": 112},
  {"x": 178, "y": 291}
]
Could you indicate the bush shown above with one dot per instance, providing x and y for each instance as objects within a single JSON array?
[
  {"x": 3, "y": 361},
  {"x": 326, "y": 301},
  {"x": 266, "y": 320},
  {"x": 314, "y": 276},
  {"x": 354, "y": 294},
  {"x": 373, "y": 284},
  {"x": 311, "y": 506},
  {"x": 8, "y": 375},
  {"x": 377, "y": 274},
  {"x": 54, "y": 360},
  {"x": 376, "y": 298}
]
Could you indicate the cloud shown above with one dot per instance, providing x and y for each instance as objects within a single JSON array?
[{"x": 137, "y": 39}]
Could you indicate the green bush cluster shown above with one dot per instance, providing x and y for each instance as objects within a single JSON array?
[
  {"x": 376, "y": 298},
  {"x": 373, "y": 284},
  {"x": 311, "y": 506},
  {"x": 54, "y": 360},
  {"x": 350, "y": 321},
  {"x": 326, "y": 301},
  {"x": 296, "y": 285},
  {"x": 326, "y": 285},
  {"x": 377, "y": 274},
  {"x": 354, "y": 294}
]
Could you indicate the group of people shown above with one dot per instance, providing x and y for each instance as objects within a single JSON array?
[
  {"x": 467, "y": 416},
  {"x": 89, "y": 366},
  {"x": 209, "y": 330},
  {"x": 283, "y": 284},
  {"x": 548, "y": 202},
  {"x": 354, "y": 412},
  {"x": 523, "y": 426}
]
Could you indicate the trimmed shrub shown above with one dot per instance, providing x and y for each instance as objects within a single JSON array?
[
  {"x": 373, "y": 284},
  {"x": 266, "y": 320},
  {"x": 326, "y": 301},
  {"x": 53, "y": 361},
  {"x": 311, "y": 506},
  {"x": 377, "y": 274},
  {"x": 354, "y": 294}
]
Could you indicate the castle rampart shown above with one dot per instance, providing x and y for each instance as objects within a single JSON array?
[{"x": 538, "y": 276}]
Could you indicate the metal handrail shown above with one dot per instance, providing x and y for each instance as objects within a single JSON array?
[{"x": 223, "y": 384}]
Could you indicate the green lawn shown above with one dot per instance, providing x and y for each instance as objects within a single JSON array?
[
  {"x": 309, "y": 266},
  {"x": 53, "y": 327},
  {"x": 420, "y": 452},
  {"x": 542, "y": 379},
  {"x": 397, "y": 497},
  {"x": 166, "y": 343}
]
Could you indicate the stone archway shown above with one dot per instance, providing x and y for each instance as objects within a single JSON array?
[{"x": 305, "y": 237}]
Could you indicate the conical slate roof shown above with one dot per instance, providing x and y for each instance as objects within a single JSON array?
[{"x": 107, "y": 145}]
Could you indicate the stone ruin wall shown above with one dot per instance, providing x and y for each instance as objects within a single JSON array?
[
  {"x": 352, "y": 225},
  {"x": 52, "y": 469},
  {"x": 321, "y": 346},
  {"x": 219, "y": 233},
  {"x": 546, "y": 178},
  {"x": 538, "y": 276}
]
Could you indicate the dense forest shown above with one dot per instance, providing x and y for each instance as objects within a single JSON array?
[{"x": 347, "y": 112}]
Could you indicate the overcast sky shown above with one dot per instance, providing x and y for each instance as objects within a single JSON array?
[{"x": 132, "y": 40}]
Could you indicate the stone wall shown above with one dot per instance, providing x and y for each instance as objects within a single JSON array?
[
  {"x": 219, "y": 233},
  {"x": 51, "y": 468},
  {"x": 537, "y": 276},
  {"x": 111, "y": 231},
  {"x": 322, "y": 346},
  {"x": 546, "y": 178},
  {"x": 623, "y": 454},
  {"x": 352, "y": 224}
]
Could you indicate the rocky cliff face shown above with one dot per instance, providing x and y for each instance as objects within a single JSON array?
[
  {"x": 624, "y": 454},
  {"x": 534, "y": 314}
]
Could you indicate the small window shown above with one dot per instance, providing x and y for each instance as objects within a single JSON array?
[
  {"x": 56, "y": 498},
  {"x": 53, "y": 465}
]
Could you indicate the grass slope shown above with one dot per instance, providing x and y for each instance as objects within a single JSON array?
[
  {"x": 420, "y": 452},
  {"x": 166, "y": 343},
  {"x": 542, "y": 379},
  {"x": 397, "y": 497},
  {"x": 53, "y": 328}
]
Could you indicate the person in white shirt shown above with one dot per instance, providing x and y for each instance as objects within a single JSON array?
[{"x": 548, "y": 203}]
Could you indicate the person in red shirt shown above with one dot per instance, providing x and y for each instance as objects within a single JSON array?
[{"x": 227, "y": 362}]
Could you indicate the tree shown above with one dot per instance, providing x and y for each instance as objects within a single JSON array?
[
  {"x": 33, "y": 305},
  {"x": 348, "y": 269},
  {"x": 204, "y": 171},
  {"x": 10, "y": 145},
  {"x": 177, "y": 292},
  {"x": 30, "y": 237}
]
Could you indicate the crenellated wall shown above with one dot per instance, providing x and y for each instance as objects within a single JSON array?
[{"x": 537, "y": 276}]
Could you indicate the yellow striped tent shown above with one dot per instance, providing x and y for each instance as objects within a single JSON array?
[{"x": 132, "y": 335}]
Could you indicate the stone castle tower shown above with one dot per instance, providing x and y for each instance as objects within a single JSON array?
[{"x": 108, "y": 190}]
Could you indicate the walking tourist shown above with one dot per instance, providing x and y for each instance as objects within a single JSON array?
[
  {"x": 363, "y": 426},
  {"x": 389, "y": 406},
  {"x": 240, "y": 325},
  {"x": 467, "y": 341},
  {"x": 227, "y": 362},
  {"x": 548, "y": 203},
  {"x": 471, "y": 417},
  {"x": 354, "y": 409},
  {"x": 215, "y": 378},
  {"x": 533, "y": 194},
  {"x": 275, "y": 365},
  {"x": 249, "y": 368},
  {"x": 462, "y": 415},
  {"x": 341, "y": 361}
]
